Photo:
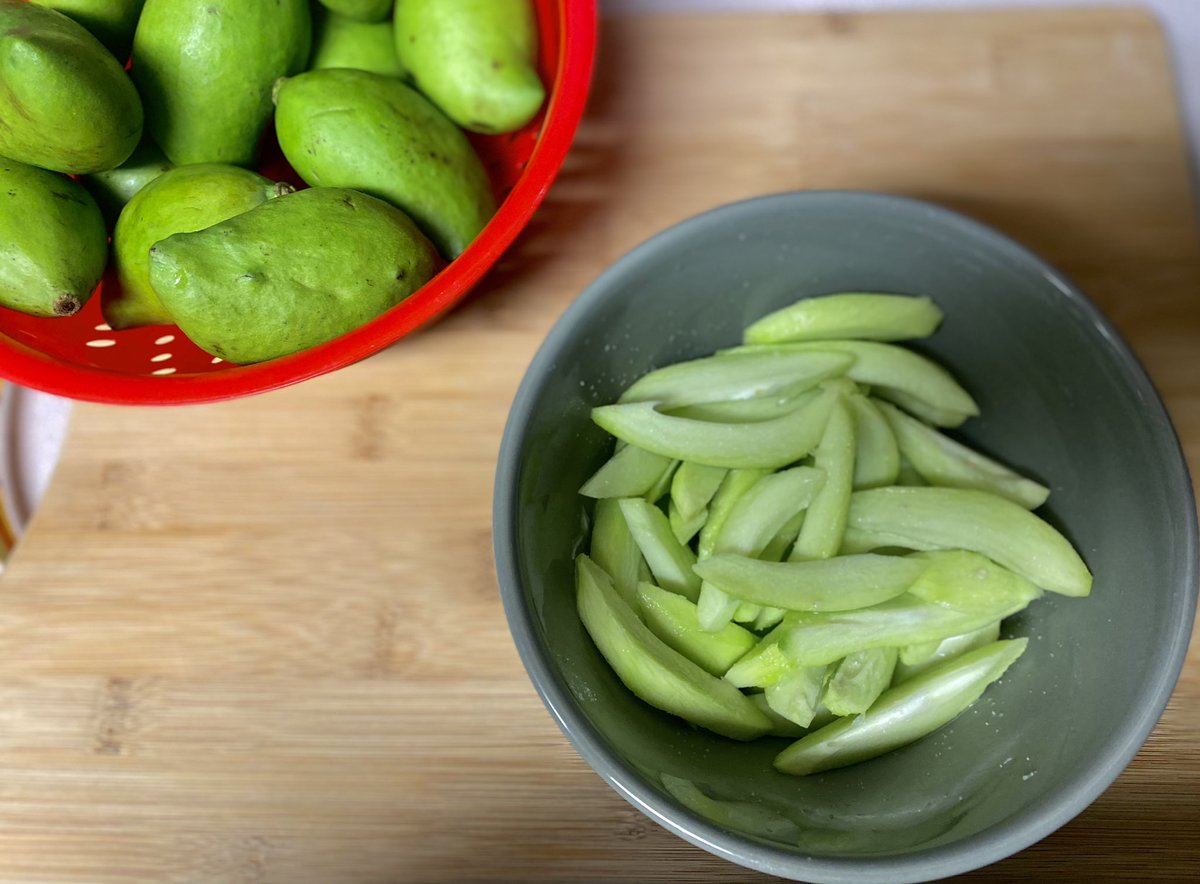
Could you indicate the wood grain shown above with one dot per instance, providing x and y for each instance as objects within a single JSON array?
[{"x": 261, "y": 641}]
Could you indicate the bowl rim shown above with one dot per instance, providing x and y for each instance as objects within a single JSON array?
[
  {"x": 983, "y": 848},
  {"x": 577, "y": 33}
]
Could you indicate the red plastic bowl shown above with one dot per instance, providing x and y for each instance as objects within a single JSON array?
[{"x": 79, "y": 357}]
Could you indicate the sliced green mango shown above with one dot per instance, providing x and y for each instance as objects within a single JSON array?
[
  {"x": 825, "y": 523},
  {"x": 796, "y": 695},
  {"x": 715, "y": 608},
  {"x": 762, "y": 665},
  {"x": 769, "y": 504},
  {"x": 942, "y": 461},
  {"x": 673, "y": 619},
  {"x": 669, "y": 560},
  {"x": 924, "y": 387},
  {"x": 843, "y": 583},
  {"x": 764, "y": 375},
  {"x": 848, "y": 315},
  {"x": 742, "y": 411},
  {"x": 766, "y": 444},
  {"x": 932, "y": 609},
  {"x": 876, "y": 455},
  {"x": 659, "y": 489},
  {"x": 614, "y": 550},
  {"x": 685, "y": 527},
  {"x": 858, "y": 679},
  {"x": 655, "y": 672},
  {"x": 752, "y": 521},
  {"x": 630, "y": 472},
  {"x": 734, "y": 486},
  {"x": 768, "y": 617},
  {"x": 694, "y": 485},
  {"x": 784, "y": 727},
  {"x": 947, "y": 649},
  {"x": 913, "y": 654},
  {"x": 782, "y": 542},
  {"x": 960, "y": 518},
  {"x": 904, "y": 713}
]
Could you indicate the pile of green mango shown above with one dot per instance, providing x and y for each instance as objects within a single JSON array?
[{"x": 143, "y": 120}]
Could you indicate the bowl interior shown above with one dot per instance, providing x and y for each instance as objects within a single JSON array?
[
  {"x": 1062, "y": 399},
  {"x": 80, "y": 357}
]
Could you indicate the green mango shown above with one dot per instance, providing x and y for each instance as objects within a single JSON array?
[
  {"x": 340, "y": 42},
  {"x": 344, "y": 128},
  {"x": 205, "y": 71},
  {"x": 291, "y": 274},
  {"x": 114, "y": 188},
  {"x": 53, "y": 245},
  {"x": 474, "y": 59},
  {"x": 112, "y": 22},
  {"x": 65, "y": 102},
  {"x": 183, "y": 200},
  {"x": 360, "y": 10}
]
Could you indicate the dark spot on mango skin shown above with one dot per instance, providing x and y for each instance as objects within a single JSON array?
[
  {"x": 347, "y": 202},
  {"x": 66, "y": 304},
  {"x": 12, "y": 192},
  {"x": 67, "y": 197},
  {"x": 400, "y": 274},
  {"x": 497, "y": 64}
]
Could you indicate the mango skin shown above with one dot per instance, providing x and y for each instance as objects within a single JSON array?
[
  {"x": 205, "y": 71},
  {"x": 183, "y": 200},
  {"x": 112, "y": 22},
  {"x": 340, "y": 42},
  {"x": 345, "y": 128},
  {"x": 291, "y": 274},
  {"x": 474, "y": 59},
  {"x": 65, "y": 102},
  {"x": 53, "y": 245},
  {"x": 360, "y": 10},
  {"x": 114, "y": 188}
]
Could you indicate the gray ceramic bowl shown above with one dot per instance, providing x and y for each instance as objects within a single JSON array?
[{"x": 1062, "y": 397}]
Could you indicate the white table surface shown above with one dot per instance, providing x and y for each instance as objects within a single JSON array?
[{"x": 40, "y": 445}]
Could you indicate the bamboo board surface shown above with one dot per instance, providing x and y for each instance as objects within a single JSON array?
[{"x": 261, "y": 641}]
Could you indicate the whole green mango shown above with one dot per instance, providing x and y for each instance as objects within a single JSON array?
[
  {"x": 182, "y": 200},
  {"x": 340, "y": 42},
  {"x": 361, "y": 10},
  {"x": 344, "y": 128},
  {"x": 291, "y": 274},
  {"x": 205, "y": 70},
  {"x": 110, "y": 21},
  {"x": 65, "y": 103},
  {"x": 114, "y": 188},
  {"x": 53, "y": 245},
  {"x": 474, "y": 59}
]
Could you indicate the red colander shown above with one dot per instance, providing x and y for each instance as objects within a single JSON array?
[{"x": 81, "y": 358}]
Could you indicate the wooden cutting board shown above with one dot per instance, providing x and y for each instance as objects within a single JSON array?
[{"x": 261, "y": 641}]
